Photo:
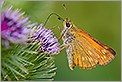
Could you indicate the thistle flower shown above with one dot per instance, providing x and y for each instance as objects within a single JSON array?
[
  {"x": 49, "y": 43},
  {"x": 14, "y": 27}
]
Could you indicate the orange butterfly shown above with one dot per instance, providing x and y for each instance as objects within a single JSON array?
[{"x": 82, "y": 49}]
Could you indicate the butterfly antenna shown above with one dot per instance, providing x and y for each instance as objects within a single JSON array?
[
  {"x": 59, "y": 17},
  {"x": 66, "y": 10}
]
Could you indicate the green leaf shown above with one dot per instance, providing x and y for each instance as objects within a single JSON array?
[{"x": 27, "y": 63}]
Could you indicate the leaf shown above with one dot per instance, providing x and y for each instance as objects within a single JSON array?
[{"x": 27, "y": 63}]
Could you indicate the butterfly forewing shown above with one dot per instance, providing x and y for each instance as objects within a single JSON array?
[
  {"x": 84, "y": 50},
  {"x": 104, "y": 53}
]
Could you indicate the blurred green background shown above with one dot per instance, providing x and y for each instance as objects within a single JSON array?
[{"x": 100, "y": 19}]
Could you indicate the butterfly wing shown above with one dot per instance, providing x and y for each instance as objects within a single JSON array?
[
  {"x": 85, "y": 51},
  {"x": 77, "y": 55}
]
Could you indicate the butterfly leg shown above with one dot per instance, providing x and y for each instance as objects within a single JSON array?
[
  {"x": 63, "y": 47},
  {"x": 60, "y": 29},
  {"x": 57, "y": 27},
  {"x": 60, "y": 37}
]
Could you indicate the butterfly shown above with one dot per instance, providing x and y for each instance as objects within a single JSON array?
[{"x": 82, "y": 49}]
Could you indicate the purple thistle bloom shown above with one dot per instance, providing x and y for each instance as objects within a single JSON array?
[
  {"x": 14, "y": 27},
  {"x": 49, "y": 43}
]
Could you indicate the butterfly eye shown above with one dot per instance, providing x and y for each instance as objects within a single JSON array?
[{"x": 67, "y": 24}]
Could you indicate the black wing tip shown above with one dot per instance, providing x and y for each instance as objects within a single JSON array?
[{"x": 112, "y": 51}]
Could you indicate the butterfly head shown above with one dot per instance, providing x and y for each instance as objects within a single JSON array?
[{"x": 67, "y": 23}]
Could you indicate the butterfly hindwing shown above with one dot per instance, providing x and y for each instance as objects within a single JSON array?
[{"x": 81, "y": 55}]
